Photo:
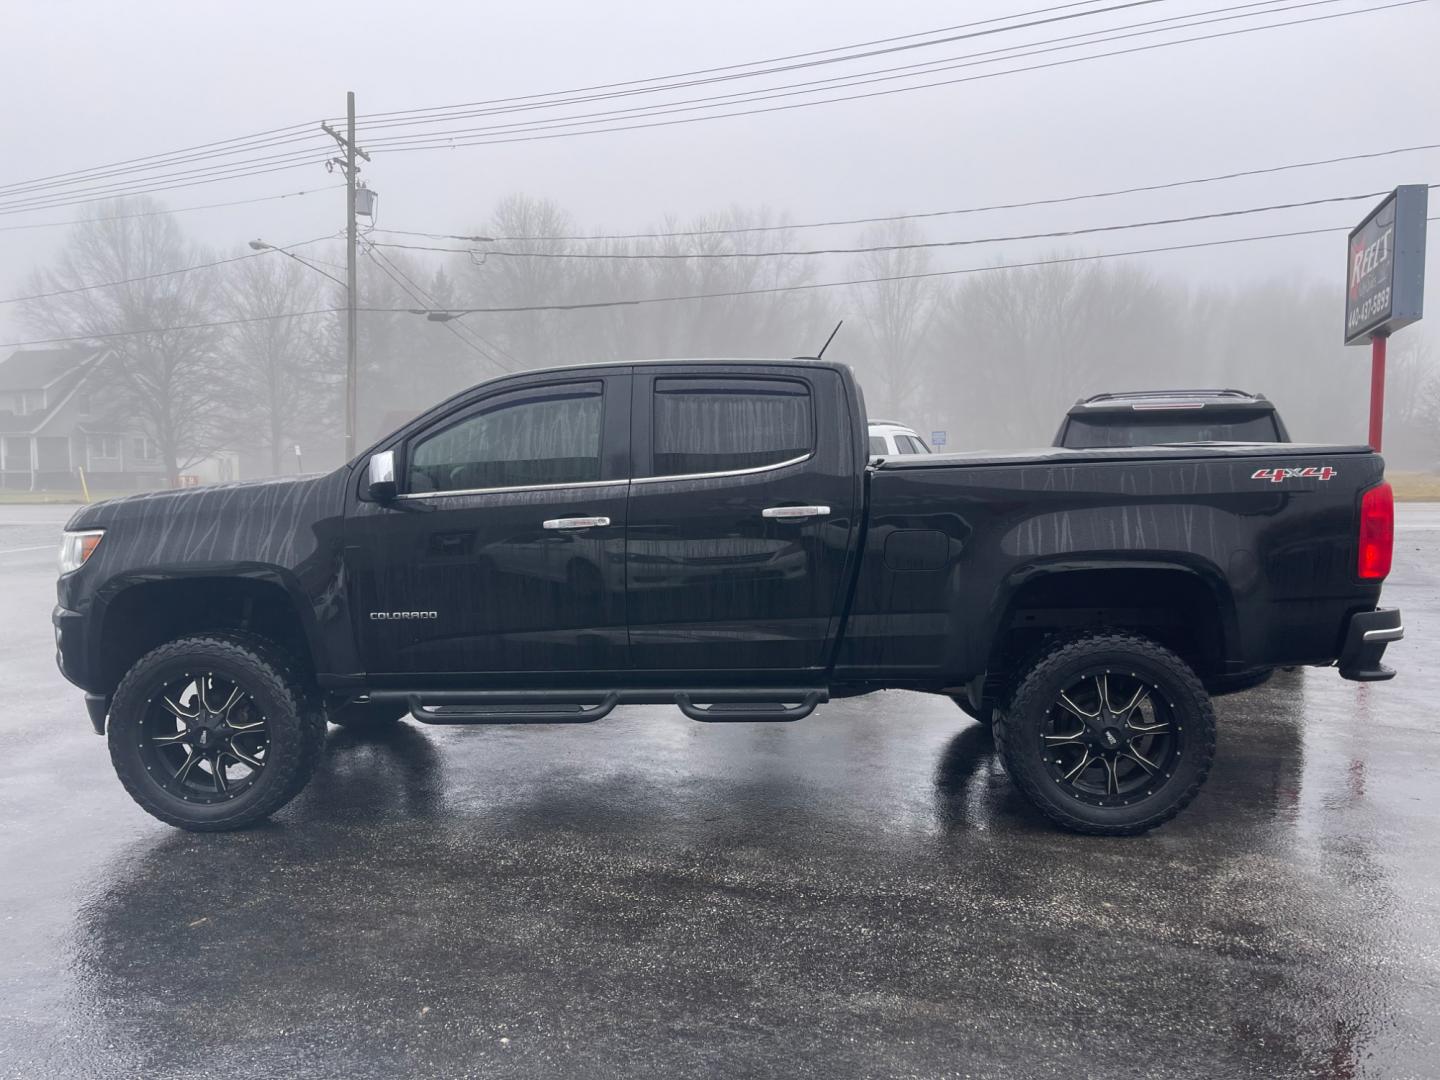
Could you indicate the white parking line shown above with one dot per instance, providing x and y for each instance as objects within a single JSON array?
[{"x": 17, "y": 551}]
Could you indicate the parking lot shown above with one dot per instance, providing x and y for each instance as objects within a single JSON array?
[{"x": 858, "y": 894}]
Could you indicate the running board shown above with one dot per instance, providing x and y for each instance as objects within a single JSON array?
[{"x": 587, "y": 706}]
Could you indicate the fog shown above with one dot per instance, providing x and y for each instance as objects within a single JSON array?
[{"x": 987, "y": 338}]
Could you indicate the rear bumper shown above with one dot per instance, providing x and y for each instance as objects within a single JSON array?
[{"x": 1366, "y": 637}]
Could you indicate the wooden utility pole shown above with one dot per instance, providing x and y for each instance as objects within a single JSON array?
[{"x": 351, "y": 170}]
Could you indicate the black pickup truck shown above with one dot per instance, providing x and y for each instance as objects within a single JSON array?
[{"x": 713, "y": 535}]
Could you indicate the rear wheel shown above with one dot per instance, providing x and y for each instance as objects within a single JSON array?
[
  {"x": 1108, "y": 733},
  {"x": 210, "y": 733}
]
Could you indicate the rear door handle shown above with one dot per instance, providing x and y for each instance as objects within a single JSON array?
[
  {"x": 577, "y": 523},
  {"x": 788, "y": 512}
]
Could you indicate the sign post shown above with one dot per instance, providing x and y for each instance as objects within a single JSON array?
[{"x": 1385, "y": 283}]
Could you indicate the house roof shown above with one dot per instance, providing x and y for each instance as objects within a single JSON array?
[
  {"x": 62, "y": 372},
  {"x": 36, "y": 369}
]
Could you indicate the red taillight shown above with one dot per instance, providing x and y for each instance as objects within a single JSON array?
[{"x": 1377, "y": 533}]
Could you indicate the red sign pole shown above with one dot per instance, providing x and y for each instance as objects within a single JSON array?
[{"x": 1377, "y": 390}]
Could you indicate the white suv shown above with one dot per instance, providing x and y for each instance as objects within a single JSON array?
[{"x": 887, "y": 438}]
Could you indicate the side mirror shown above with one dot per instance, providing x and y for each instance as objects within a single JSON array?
[{"x": 381, "y": 478}]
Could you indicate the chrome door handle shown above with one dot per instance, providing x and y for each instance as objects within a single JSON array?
[
  {"x": 577, "y": 523},
  {"x": 790, "y": 512}
]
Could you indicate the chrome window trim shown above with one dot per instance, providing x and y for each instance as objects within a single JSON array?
[
  {"x": 502, "y": 490},
  {"x": 729, "y": 472}
]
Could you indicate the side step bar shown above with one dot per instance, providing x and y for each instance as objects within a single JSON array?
[{"x": 587, "y": 706}]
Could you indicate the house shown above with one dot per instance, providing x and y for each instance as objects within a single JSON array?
[{"x": 53, "y": 423}]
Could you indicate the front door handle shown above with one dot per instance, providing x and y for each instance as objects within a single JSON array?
[
  {"x": 577, "y": 523},
  {"x": 789, "y": 512}
]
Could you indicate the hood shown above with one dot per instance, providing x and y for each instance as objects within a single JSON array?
[{"x": 212, "y": 498}]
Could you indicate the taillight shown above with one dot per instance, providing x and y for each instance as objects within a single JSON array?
[{"x": 1377, "y": 533}]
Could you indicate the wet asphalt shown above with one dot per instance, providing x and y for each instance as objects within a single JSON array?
[{"x": 861, "y": 894}]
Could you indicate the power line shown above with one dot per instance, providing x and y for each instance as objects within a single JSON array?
[
  {"x": 707, "y": 71},
  {"x": 150, "y": 277},
  {"x": 112, "y": 195},
  {"x": 421, "y": 297},
  {"x": 457, "y": 312},
  {"x": 176, "y": 210},
  {"x": 453, "y": 145},
  {"x": 854, "y": 78},
  {"x": 918, "y": 245},
  {"x": 556, "y": 100},
  {"x": 150, "y": 157},
  {"x": 292, "y": 134},
  {"x": 169, "y": 329},
  {"x": 924, "y": 214},
  {"x": 163, "y": 182}
]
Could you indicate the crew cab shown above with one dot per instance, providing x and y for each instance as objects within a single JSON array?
[
  {"x": 1162, "y": 417},
  {"x": 712, "y": 535}
]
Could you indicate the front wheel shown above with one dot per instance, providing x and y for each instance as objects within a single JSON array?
[
  {"x": 213, "y": 732},
  {"x": 1109, "y": 734}
]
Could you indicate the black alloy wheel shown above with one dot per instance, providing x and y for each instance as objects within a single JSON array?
[
  {"x": 1112, "y": 738},
  {"x": 204, "y": 738}
]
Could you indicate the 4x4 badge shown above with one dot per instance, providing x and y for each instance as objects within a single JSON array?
[{"x": 1310, "y": 472}]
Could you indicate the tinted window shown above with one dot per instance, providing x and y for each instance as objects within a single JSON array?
[
  {"x": 717, "y": 425},
  {"x": 877, "y": 446},
  {"x": 550, "y": 439},
  {"x": 909, "y": 444},
  {"x": 1123, "y": 430}
]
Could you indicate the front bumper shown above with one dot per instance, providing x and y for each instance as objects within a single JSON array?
[
  {"x": 1366, "y": 637},
  {"x": 70, "y": 655}
]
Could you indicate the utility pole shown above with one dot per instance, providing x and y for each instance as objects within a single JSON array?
[{"x": 352, "y": 171}]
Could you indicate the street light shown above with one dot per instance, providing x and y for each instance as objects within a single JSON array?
[{"x": 261, "y": 245}]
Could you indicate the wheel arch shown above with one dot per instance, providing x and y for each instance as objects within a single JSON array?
[
  {"x": 1184, "y": 604},
  {"x": 143, "y": 610}
]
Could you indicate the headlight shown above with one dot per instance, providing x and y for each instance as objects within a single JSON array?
[{"x": 76, "y": 547}]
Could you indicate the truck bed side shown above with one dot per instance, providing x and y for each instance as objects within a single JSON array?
[{"x": 968, "y": 558}]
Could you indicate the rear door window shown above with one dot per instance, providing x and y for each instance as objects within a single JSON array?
[
  {"x": 707, "y": 425},
  {"x": 877, "y": 446}
]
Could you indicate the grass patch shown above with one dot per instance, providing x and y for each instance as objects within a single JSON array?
[
  {"x": 1415, "y": 486},
  {"x": 14, "y": 497}
]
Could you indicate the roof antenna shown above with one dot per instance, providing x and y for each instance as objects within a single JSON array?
[{"x": 821, "y": 354}]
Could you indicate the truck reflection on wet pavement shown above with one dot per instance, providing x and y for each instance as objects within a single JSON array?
[{"x": 859, "y": 894}]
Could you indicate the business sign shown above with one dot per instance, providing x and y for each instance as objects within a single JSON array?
[
  {"x": 937, "y": 438},
  {"x": 1385, "y": 277}
]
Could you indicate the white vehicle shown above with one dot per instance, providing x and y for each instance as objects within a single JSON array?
[{"x": 887, "y": 439}]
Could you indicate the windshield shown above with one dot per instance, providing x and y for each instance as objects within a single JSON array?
[{"x": 1119, "y": 429}]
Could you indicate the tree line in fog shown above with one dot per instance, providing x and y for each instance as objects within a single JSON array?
[{"x": 992, "y": 357}]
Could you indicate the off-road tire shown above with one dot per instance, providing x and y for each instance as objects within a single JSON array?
[
  {"x": 1018, "y": 729},
  {"x": 295, "y": 727}
]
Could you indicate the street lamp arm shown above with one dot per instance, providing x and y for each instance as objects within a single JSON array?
[{"x": 261, "y": 245}]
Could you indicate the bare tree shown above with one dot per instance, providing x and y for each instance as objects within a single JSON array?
[
  {"x": 286, "y": 376},
  {"x": 166, "y": 381},
  {"x": 896, "y": 313}
]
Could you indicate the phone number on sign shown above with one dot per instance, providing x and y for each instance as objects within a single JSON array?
[{"x": 1377, "y": 303}]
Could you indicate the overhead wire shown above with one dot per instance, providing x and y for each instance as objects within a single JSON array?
[
  {"x": 947, "y": 63},
  {"x": 413, "y": 290},
  {"x": 175, "y": 210},
  {"x": 638, "y": 301},
  {"x": 151, "y": 277},
  {"x": 728, "y": 294},
  {"x": 552, "y": 134},
  {"x": 909, "y": 246}
]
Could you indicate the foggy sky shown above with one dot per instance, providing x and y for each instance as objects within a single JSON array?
[{"x": 92, "y": 83}]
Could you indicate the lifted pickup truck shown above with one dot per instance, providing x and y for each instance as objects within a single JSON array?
[{"x": 711, "y": 535}]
